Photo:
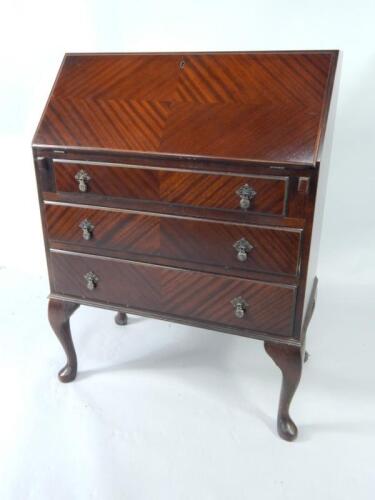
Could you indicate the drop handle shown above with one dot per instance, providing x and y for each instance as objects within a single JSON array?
[
  {"x": 243, "y": 247},
  {"x": 246, "y": 194},
  {"x": 82, "y": 177},
  {"x": 240, "y": 305},
  {"x": 87, "y": 229},
  {"x": 91, "y": 280}
]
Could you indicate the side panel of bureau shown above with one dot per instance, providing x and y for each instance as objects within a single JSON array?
[
  {"x": 190, "y": 294},
  {"x": 272, "y": 250}
]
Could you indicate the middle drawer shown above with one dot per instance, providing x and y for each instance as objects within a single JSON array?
[{"x": 224, "y": 244}]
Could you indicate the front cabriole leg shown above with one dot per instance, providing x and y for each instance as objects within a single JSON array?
[
  {"x": 59, "y": 313},
  {"x": 289, "y": 360}
]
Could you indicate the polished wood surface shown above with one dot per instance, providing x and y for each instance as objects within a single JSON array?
[
  {"x": 254, "y": 106},
  {"x": 138, "y": 236},
  {"x": 289, "y": 360},
  {"x": 59, "y": 313},
  {"x": 164, "y": 142},
  {"x": 182, "y": 188},
  {"x": 183, "y": 293}
]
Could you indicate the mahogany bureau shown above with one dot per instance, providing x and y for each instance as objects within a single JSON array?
[{"x": 189, "y": 187}]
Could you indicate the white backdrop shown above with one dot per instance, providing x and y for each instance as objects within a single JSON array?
[
  {"x": 35, "y": 35},
  {"x": 163, "y": 411}
]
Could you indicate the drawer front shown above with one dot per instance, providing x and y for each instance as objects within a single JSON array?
[
  {"x": 227, "y": 192},
  {"x": 234, "y": 246},
  {"x": 186, "y": 294}
]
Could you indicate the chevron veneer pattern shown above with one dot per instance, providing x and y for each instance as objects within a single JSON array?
[
  {"x": 183, "y": 188},
  {"x": 200, "y": 197},
  {"x": 177, "y": 292},
  {"x": 274, "y": 250},
  {"x": 244, "y": 105}
]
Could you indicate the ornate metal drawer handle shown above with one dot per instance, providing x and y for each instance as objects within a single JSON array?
[
  {"x": 82, "y": 178},
  {"x": 91, "y": 280},
  {"x": 246, "y": 193},
  {"x": 240, "y": 306},
  {"x": 87, "y": 229},
  {"x": 243, "y": 247}
]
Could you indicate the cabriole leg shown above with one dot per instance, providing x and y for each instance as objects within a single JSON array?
[
  {"x": 289, "y": 360},
  {"x": 59, "y": 313}
]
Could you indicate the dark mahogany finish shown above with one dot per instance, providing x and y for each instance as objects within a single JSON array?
[
  {"x": 262, "y": 106},
  {"x": 137, "y": 236},
  {"x": 59, "y": 313},
  {"x": 142, "y": 162},
  {"x": 289, "y": 360},
  {"x": 183, "y": 293},
  {"x": 180, "y": 188}
]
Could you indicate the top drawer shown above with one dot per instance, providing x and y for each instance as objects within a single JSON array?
[{"x": 209, "y": 190}]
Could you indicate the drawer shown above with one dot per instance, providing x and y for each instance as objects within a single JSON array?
[
  {"x": 192, "y": 295},
  {"x": 265, "y": 194},
  {"x": 235, "y": 246}
]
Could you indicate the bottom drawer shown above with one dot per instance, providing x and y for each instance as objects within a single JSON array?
[{"x": 262, "y": 307}]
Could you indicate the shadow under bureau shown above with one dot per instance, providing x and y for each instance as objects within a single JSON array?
[{"x": 189, "y": 187}]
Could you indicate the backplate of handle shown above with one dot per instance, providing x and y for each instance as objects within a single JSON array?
[
  {"x": 246, "y": 194},
  {"x": 82, "y": 177},
  {"x": 243, "y": 247},
  {"x": 240, "y": 305},
  {"x": 91, "y": 280},
  {"x": 87, "y": 229}
]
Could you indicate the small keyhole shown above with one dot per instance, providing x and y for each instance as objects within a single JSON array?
[{"x": 182, "y": 64}]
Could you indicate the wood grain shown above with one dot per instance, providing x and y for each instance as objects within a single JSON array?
[
  {"x": 180, "y": 188},
  {"x": 255, "y": 106},
  {"x": 167, "y": 140},
  {"x": 136, "y": 235},
  {"x": 188, "y": 294}
]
